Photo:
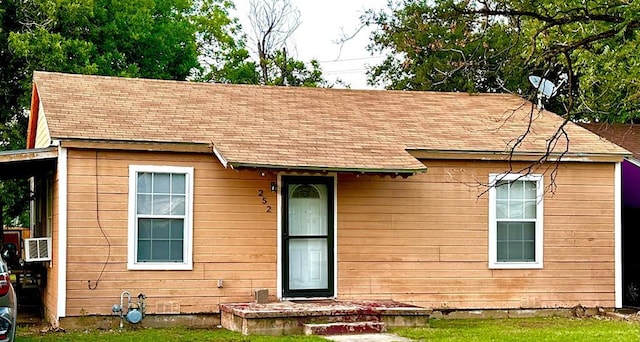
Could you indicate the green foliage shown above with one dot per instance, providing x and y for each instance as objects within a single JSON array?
[
  {"x": 173, "y": 39},
  {"x": 430, "y": 49},
  {"x": 491, "y": 46},
  {"x": 287, "y": 71},
  {"x": 221, "y": 45}
]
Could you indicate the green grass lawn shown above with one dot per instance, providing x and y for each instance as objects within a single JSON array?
[
  {"x": 155, "y": 335},
  {"x": 530, "y": 329}
]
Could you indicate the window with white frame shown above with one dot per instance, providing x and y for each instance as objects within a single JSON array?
[
  {"x": 160, "y": 217},
  {"x": 515, "y": 221}
]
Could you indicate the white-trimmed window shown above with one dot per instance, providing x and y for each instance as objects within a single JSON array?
[
  {"x": 515, "y": 221},
  {"x": 160, "y": 217}
]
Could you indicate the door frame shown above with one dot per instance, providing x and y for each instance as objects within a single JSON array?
[{"x": 280, "y": 243}]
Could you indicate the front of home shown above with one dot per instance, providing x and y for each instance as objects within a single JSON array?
[{"x": 196, "y": 195}]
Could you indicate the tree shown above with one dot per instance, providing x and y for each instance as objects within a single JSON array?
[
  {"x": 175, "y": 39},
  {"x": 272, "y": 24},
  {"x": 492, "y": 45}
]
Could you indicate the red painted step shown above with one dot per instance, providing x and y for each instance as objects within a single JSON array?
[{"x": 341, "y": 328}]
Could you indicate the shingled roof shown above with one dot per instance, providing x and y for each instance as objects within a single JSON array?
[
  {"x": 625, "y": 135},
  {"x": 306, "y": 128}
]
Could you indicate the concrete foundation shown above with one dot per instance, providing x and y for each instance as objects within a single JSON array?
[
  {"x": 284, "y": 318},
  {"x": 149, "y": 321}
]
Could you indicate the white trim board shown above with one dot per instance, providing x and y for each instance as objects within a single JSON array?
[
  {"x": 618, "y": 234},
  {"x": 62, "y": 232}
]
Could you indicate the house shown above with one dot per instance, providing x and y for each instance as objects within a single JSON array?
[
  {"x": 198, "y": 194},
  {"x": 627, "y": 136}
]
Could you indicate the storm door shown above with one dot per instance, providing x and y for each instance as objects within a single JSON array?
[{"x": 307, "y": 236}]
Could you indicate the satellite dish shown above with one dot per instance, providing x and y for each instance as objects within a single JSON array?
[
  {"x": 546, "y": 88},
  {"x": 543, "y": 85}
]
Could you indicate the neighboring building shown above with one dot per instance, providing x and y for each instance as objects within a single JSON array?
[
  {"x": 627, "y": 136},
  {"x": 197, "y": 194}
]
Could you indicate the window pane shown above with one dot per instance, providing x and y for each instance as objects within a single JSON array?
[
  {"x": 502, "y": 190},
  {"x": 502, "y": 209},
  {"x": 144, "y": 228},
  {"x": 515, "y": 251},
  {"x": 308, "y": 264},
  {"x": 531, "y": 190},
  {"x": 160, "y": 229},
  {"x": 515, "y": 232},
  {"x": 517, "y": 190},
  {"x": 515, "y": 241},
  {"x": 178, "y": 183},
  {"x": 144, "y": 250},
  {"x": 175, "y": 253},
  {"x": 177, "y": 205},
  {"x": 160, "y": 250},
  {"x": 529, "y": 251},
  {"x": 161, "y": 183},
  {"x": 177, "y": 229},
  {"x": 308, "y": 210},
  {"x": 144, "y": 182},
  {"x": 144, "y": 204},
  {"x": 516, "y": 210},
  {"x": 502, "y": 252},
  {"x": 529, "y": 229},
  {"x": 160, "y": 240},
  {"x": 530, "y": 209},
  {"x": 503, "y": 232},
  {"x": 161, "y": 204}
]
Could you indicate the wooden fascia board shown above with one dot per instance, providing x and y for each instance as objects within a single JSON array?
[
  {"x": 33, "y": 118},
  {"x": 29, "y": 154},
  {"x": 518, "y": 156},
  {"x": 135, "y": 146},
  {"x": 323, "y": 169}
]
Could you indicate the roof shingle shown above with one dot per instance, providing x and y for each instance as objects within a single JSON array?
[{"x": 299, "y": 127}]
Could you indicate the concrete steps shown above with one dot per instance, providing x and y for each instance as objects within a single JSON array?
[
  {"x": 343, "y": 328},
  {"x": 320, "y": 317}
]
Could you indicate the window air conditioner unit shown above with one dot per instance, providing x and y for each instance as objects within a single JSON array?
[{"x": 38, "y": 249}]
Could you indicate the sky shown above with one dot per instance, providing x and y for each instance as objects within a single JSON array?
[{"x": 322, "y": 24}]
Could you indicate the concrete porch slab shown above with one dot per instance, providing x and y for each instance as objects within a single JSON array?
[{"x": 289, "y": 317}]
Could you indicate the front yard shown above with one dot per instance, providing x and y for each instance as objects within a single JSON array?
[{"x": 531, "y": 329}]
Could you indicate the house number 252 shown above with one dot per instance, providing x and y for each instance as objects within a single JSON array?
[{"x": 264, "y": 200}]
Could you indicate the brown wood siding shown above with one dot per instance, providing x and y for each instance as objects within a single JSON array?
[
  {"x": 234, "y": 237},
  {"x": 421, "y": 240},
  {"x": 424, "y": 240}
]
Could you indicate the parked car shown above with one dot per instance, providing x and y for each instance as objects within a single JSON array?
[{"x": 8, "y": 305}]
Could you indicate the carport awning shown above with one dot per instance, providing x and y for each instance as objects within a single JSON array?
[{"x": 23, "y": 164}]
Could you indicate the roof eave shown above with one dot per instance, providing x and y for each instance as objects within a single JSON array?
[
  {"x": 325, "y": 169},
  {"x": 149, "y": 146},
  {"x": 22, "y": 164},
  {"x": 525, "y": 156}
]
